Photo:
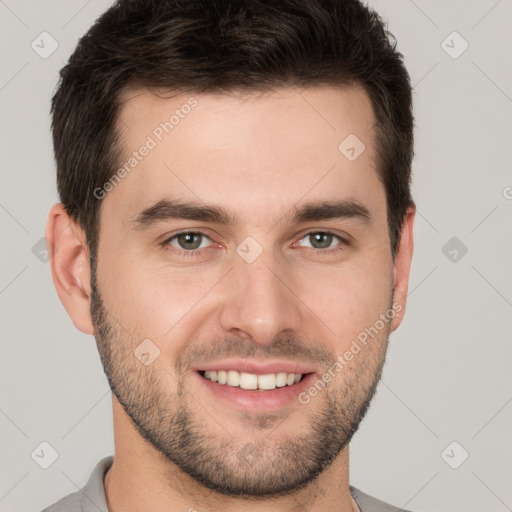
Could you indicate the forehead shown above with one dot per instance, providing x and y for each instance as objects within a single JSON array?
[{"x": 255, "y": 153}]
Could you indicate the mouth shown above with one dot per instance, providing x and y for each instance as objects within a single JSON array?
[
  {"x": 244, "y": 380},
  {"x": 249, "y": 386}
]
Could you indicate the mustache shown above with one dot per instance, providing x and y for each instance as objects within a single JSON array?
[{"x": 287, "y": 347}]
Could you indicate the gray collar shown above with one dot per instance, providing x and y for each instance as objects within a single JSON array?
[{"x": 93, "y": 497}]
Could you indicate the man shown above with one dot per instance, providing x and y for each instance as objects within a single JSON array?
[{"x": 236, "y": 231}]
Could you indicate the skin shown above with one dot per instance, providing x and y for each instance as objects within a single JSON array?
[{"x": 260, "y": 157}]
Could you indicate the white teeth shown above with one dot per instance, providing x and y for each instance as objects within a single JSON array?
[
  {"x": 267, "y": 381},
  {"x": 233, "y": 378},
  {"x": 252, "y": 381},
  {"x": 248, "y": 381},
  {"x": 281, "y": 380}
]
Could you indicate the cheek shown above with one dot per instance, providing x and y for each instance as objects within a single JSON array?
[
  {"x": 350, "y": 300},
  {"x": 158, "y": 302}
]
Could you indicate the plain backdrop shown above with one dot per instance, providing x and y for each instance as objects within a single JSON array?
[{"x": 437, "y": 436}]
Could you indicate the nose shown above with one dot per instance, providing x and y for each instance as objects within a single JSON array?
[{"x": 260, "y": 302}]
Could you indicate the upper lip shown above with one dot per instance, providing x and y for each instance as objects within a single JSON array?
[{"x": 257, "y": 367}]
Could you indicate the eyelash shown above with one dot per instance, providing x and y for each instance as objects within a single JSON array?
[{"x": 200, "y": 252}]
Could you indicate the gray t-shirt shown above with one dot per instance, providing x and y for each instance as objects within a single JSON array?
[{"x": 91, "y": 498}]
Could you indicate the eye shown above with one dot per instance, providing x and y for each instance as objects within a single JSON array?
[
  {"x": 322, "y": 240},
  {"x": 193, "y": 243},
  {"x": 188, "y": 241}
]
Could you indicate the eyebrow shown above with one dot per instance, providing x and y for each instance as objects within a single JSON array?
[{"x": 170, "y": 209}]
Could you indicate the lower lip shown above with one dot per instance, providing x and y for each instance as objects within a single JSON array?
[{"x": 256, "y": 400}]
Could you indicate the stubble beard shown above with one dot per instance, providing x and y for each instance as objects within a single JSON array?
[{"x": 260, "y": 469}]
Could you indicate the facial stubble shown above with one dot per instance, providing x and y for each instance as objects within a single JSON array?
[{"x": 262, "y": 468}]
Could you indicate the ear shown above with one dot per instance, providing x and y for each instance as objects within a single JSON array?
[
  {"x": 402, "y": 267},
  {"x": 69, "y": 260}
]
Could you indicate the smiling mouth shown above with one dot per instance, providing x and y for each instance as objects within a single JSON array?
[{"x": 243, "y": 380}]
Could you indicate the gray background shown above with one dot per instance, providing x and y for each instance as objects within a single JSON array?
[{"x": 447, "y": 377}]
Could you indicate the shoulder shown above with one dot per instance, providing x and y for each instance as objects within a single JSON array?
[
  {"x": 91, "y": 497},
  {"x": 368, "y": 503},
  {"x": 70, "y": 503}
]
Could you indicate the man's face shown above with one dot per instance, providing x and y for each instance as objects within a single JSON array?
[{"x": 270, "y": 293}]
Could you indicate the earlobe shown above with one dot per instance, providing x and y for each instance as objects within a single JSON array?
[
  {"x": 69, "y": 260},
  {"x": 402, "y": 267}
]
